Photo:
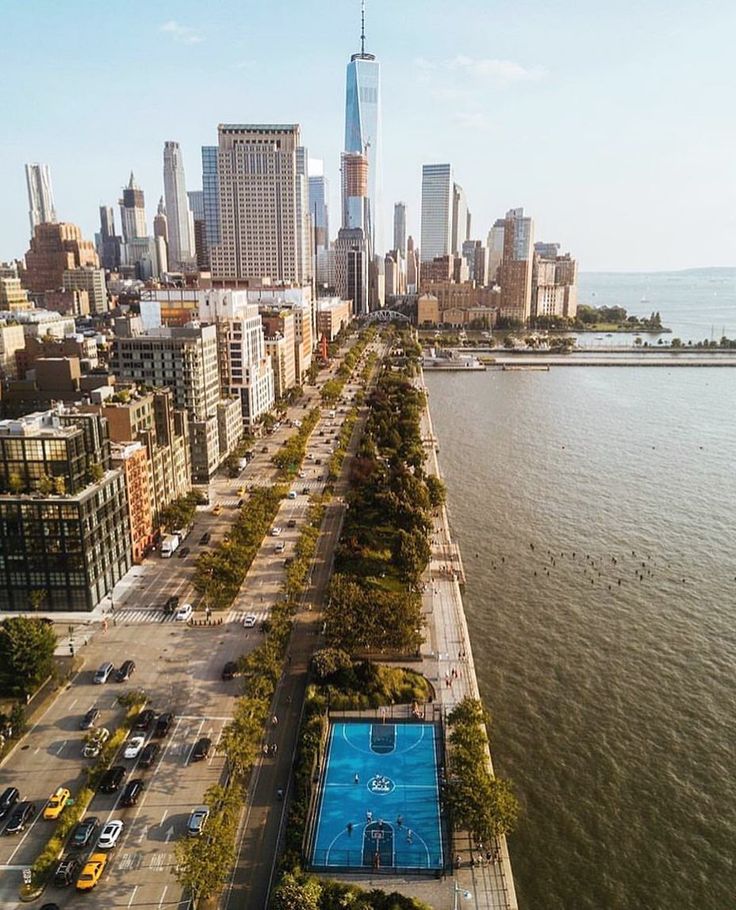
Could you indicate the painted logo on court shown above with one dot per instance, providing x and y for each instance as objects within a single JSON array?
[{"x": 381, "y": 784}]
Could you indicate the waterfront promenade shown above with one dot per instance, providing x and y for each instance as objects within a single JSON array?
[{"x": 482, "y": 885}]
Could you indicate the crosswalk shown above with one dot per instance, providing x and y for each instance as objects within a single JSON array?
[{"x": 158, "y": 616}]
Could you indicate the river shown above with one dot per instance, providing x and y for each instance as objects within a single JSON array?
[{"x": 594, "y": 509}]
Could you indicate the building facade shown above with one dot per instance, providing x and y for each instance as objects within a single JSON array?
[
  {"x": 400, "y": 227},
  {"x": 515, "y": 271},
  {"x": 262, "y": 204},
  {"x": 55, "y": 249},
  {"x": 130, "y": 458},
  {"x": 437, "y": 208},
  {"x": 64, "y": 522},
  {"x": 178, "y": 215},
  {"x": 133, "y": 211},
  {"x": 93, "y": 282}
]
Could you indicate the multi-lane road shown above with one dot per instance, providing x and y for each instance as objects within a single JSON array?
[{"x": 179, "y": 667}]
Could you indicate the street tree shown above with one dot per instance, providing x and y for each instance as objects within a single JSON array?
[{"x": 26, "y": 655}]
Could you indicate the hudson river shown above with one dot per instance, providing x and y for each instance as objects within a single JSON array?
[{"x": 595, "y": 511}]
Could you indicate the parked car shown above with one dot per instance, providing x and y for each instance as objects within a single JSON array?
[
  {"x": 133, "y": 747},
  {"x": 163, "y": 724},
  {"x": 280, "y": 547},
  {"x": 92, "y": 872},
  {"x": 96, "y": 741},
  {"x": 291, "y": 494},
  {"x": 66, "y": 872},
  {"x": 276, "y": 531},
  {"x": 111, "y": 779},
  {"x": 145, "y": 719},
  {"x": 148, "y": 755},
  {"x": 19, "y": 817},
  {"x": 184, "y": 613},
  {"x": 217, "y": 509},
  {"x": 249, "y": 621},
  {"x": 132, "y": 791},
  {"x": 55, "y": 806},
  {"x": 88, "y": 721},
  {"x": 197, "y": 820},
  {"x": 125, "y": 671},
  {"x": 201, "y": 749},
  {"x": 110, "y": 834},
  {"x": 183, "y": 551},
  {"x": 103, "y": 674},
  {"x": 8, "y": 799},
  {"x": 230, "y": 670},
  {"x": 305, "y": 490},
  {"x": 291, "y": 523},
  {"x": 84, "y": 832},
  {"x": 204, "y": 539}
]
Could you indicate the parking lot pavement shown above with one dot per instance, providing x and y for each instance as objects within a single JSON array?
[{"x": 180, "y": 669}]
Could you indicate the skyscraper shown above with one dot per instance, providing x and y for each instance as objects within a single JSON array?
[
  {"x": 319, "y": 194},
  {"x": 201, "y": 248},
  {"x": 400, "y": 227},
  {"x": 211, "y": 194},
  {"x": 133, "y": 211},
  {"x": 363, "y": 129},
  {"x": 437, "y": 208},
  {"x": 40, "y": 195},
  {"x": 259, "y": 215},
  {"x": 107, "y": 242},
  {"x": 460, "y": 219},
  {"x": 515, "y": 271},
  {"x": 355, "y": 203},
  {"x": 180, "y": 222}
]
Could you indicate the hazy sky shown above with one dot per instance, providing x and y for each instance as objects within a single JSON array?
[{"x": 611, "y": 123}]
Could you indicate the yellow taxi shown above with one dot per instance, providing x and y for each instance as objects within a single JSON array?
[
  {"x": 92, "y": 872},
  {"x": 217, "y": 509},
  {"x": 55, "y": 806},
  {"x": 241, "y": 491}
]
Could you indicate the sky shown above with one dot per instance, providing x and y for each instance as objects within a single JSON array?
[{"x": 611, "y": 124}]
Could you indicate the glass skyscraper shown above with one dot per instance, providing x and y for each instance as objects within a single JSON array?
[
  {"x": 363, "y": 132},
  {"x": 211, "y": 191}
]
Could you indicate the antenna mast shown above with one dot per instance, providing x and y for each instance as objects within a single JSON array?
[{"x": 362, "y": 26}]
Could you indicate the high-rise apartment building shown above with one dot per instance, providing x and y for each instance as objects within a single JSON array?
[
  {"x": 515, "y": 272},
  {"x": 201, "y": 249},
  {"x": 12, "y": 295},
  {"x": 495, "y": 249},
  {"x": 363, "y": 131},
  {"x": 185, "y": 360},
  {"x": 554, "y": 282},
  {"x": 263, "y": 204},
  {"x": 351, "y": 268},
  {"x": 178, "y": 215},
  {"x": 354, "y": 180},
  {"x": 133, "y": 211},
  {"x": 64, "y": 523},
  {"x": 55, "y": 249},
  {"x": 413, "y": 267},
  {"x": 41, "y": 208},
  {"x": 437, "y": 209},
  {"x": 400, "y": 227},
  {"x": 460, "y": 219}
]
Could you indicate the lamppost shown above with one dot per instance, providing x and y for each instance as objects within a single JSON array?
[{"x": 456, "y": 889}]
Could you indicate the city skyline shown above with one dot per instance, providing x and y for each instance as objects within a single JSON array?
[{"x": 617, "y": 176}]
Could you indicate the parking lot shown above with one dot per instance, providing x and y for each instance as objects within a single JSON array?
[{"x": 179, "y": 667}]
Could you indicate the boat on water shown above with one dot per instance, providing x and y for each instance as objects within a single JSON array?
[{"x": 644, "y": 299}]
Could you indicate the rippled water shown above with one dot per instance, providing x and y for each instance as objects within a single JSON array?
[{"x": 613, "y": 703}]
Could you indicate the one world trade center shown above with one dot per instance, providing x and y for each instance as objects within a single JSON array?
[{"x": 363, "y": 130}]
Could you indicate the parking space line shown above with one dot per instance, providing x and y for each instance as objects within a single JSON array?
[
  {"x": 61, "y": 747},
  {"x": 163, "y": 895},
  {"x": 132, "y": 896}
]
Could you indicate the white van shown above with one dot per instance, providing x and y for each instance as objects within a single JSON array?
[
  {"x": 291, "y": 494},
  {"x": 103, "y": 674}
]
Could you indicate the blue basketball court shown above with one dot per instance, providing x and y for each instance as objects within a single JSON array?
[{"x": 379, "y": 806}]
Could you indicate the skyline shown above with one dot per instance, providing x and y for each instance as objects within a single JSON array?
[{"x": 611, "y": 139}]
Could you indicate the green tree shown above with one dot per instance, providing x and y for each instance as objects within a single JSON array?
[
  {"x": 297, "y": 893},
  {"x": 411, "y": 554},
  {"x": 26, "y": 655},
  {"x": 60, "y": 486},
  {"x": 45, "y": 485},
  {"x": 96, "y": 472},
  {"x": 327, "y": 661},
  {"x": 437, "y": 491},
  {"x": 203, "y": 864},
  {"x": 36, "y": 599},
  {"x": 15, "y": 484},
  {"x": 241, "y": 738}
]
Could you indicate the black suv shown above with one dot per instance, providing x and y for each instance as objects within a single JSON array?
[
  {"x": 125, "y": 671},
  {"x": 112, "y": 779},
  {"x": 148, "y": 755},
  {"x": 84, "y": 832},
  {"x": 163, "y": 724},
  {"x": 66, "y": 872},
  {"x": 9, "y": 798},
  {"x": 229, "y": 670},
  {"x": 145, "y": 719},
  {"x": 201, "y": 749},
  {"x": 204, "y": 539},
  {"x": 132, "y": 791},
  {"x": 171, "y": 604},
  {"x": 88, "y": 721},
  {"x": 20, "y": 817}
]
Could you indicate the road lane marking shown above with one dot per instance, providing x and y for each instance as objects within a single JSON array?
[
  {"x": 163, "y": 817},
  {"x": 163, "y": 895},
  {"x": 61, "y": 747},
  {"x": 132, "y": 896},
  {"x": 73, "y": 703}
]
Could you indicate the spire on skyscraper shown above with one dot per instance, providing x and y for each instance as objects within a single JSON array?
[{"x": 362, "y": 26}]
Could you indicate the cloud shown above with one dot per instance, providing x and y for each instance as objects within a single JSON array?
[
  {"x": 184, "y": 34},
  {"x": 486, "y": 69},
  {"x": 472, "y": 120}
]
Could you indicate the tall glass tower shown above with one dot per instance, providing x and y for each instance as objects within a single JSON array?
[{"x": 363, "y": 130}]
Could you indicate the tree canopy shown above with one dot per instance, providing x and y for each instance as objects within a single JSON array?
[{"x": 26, "y": 654}]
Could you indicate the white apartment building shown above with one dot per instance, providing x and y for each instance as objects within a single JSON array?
[{"x": 437, "y": 209}]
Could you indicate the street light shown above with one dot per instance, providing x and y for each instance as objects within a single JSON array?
[{"x": 456, "y": 889}]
